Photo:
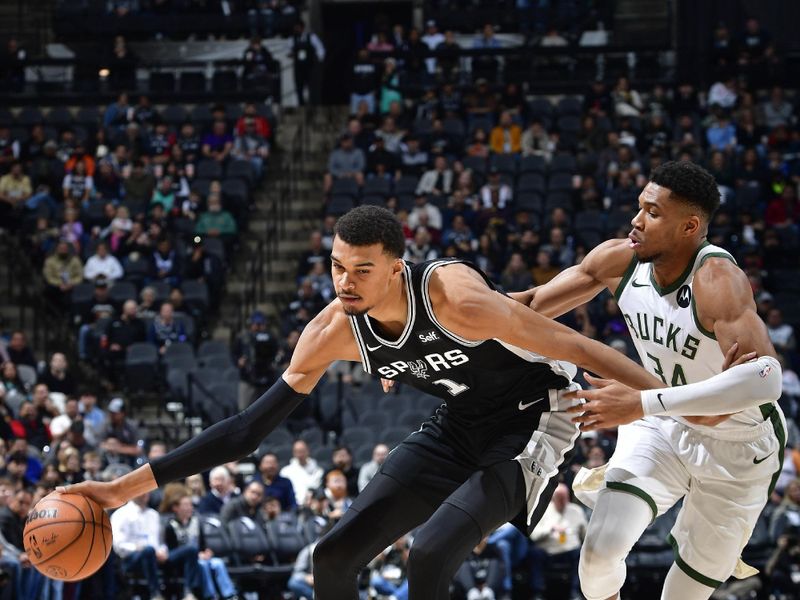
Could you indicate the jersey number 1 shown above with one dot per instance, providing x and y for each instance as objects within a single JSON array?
[{"x": 454, "y": 388}]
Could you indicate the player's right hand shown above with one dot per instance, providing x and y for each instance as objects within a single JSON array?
[
  {"x": 105, "y": 494},
  {"x": 387, "y": 385}
]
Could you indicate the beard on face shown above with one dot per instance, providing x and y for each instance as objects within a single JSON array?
[{"x": 351, "y": 311}]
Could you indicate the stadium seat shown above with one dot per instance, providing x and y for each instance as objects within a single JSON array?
[
  {"x": 141, "y": 367},
  {"x": 531, "y": 182},
  {"x": 188, "y": 325},
  {"x": 59, "y": 117},
  {"x": 88, "y": 116},
  {"x": 249, "y": 539},
  {"x": 476, "y": 164},
  {"x": 195, "y": 295},
  {"x": 406, "y": 185},
  {"x": 174, "y": 115},
  {"x": 345, "y": 186},
  {"x": 285, "y": 539},
  {"x": 563, "y": 163},
  {"x": 217, "y": 537},
  {"x": 339, "y": 205},
  {"x": 161, "y": 82},
  {"x": 374, "y": 419},
  {"x": 27, "y": 374},
  {"x": 208, "y": 169},
  {"x": 215, "y": 246},
  {"x": 218, "y": 362},
  {"x": 392, "y": 436},
  {"x": 122, "y": 291},
  {"x": 192, "y": 81},
  {"x": 81, "y": 298},
  {"x": 240, "y": 169},
  {"x": 29, "y": 116},
  {"x": 569, "y": 106},
  {"x": 213, "y": 348},
  {"x": 177, "y": 350},
  {"x": 225, "y": 81},
  {"x": 532, "y": 202},
  {"x": 559, "y": 182},
  {"x": 532, "y": 164},
  {"x": 356, "y": 436},
  {"x": 201, "y": 187},
  {"x": 201, "y": 116},
  {"x": 541, "y": 109},
  {"x": 377, "y": 186},
  {"x": 504, "y": 163}
]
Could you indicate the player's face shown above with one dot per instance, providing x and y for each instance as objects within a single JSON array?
[
  {"x": 660, "y": 225},
  {"x": 362, "y": 275}
]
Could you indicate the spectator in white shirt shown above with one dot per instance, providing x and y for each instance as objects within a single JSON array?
[
  {"x": 303, "y": 471},
  {"x": 495, "y": 186},
  {"x": 136, "y": 533},
  {"x": 432, "y": 38},
  {"x": 369, "y": 470},
  {"x": 723, "y": 93},
  {"x": 780, "y": 334},
  {"x": 421, "y": 205},
  {"x": 103, "y": 264},
  {"x": 437, "y": 181},
  {"x": 558, "y": 538}
]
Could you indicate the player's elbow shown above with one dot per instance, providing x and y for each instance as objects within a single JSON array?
[{"x": 771, "y": 375}]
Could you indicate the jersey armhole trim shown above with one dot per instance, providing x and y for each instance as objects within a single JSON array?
[
  {"x": 626, "y": 277},
  {"x": 695, "y": 317},
  {"x": 360, "y": 343},
  {"x": 696, "y": 575},
  {"x": 627, "y": 488}
]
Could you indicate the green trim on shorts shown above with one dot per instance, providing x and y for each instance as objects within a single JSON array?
[
  {"x": 632, "y": 489},
  {"x": 697, "y": 576},
  {"x": 626, "y": 276},
  {"x": 769, "y": 412}
]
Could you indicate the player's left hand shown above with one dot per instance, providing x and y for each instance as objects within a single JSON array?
[
  {"x": 609, "y": 405},
  {"x": 387, "y": 385}
]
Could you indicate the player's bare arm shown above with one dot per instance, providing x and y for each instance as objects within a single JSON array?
[
  {"x": 725, "y": 306},
  {"x": 464, "y": 305},
  {"x": 327, "y": 338},
  {"x": 602, "y": 268}
]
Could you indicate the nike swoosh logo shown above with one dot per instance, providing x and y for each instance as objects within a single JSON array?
[
  {"x": 524, "y": 406},
  {"x": 375, "y": 348},
  {"x": 757, "y": 461},
  {"x": 660, "y": 402},
  {"x": 637, "y": 284}
]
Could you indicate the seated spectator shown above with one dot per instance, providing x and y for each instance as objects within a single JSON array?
[
  {"x": 216, "y": 221},
  {"x": 165, "y": 329},
  {"x": 486, "y": 65},
  {"x": 251, "y": 146},
  {"x": 72, "y": 228},
  {"x": 191, "y": 146},
  {"x": 494, "y": 192},
  {"x": 544, "y": 270},
  {"x": 516, "y": 276},
  {"x": 391, "y": 98},
  {"x": 258, "y": 63},
  {"x": 107, "y": 184},
  {"x": 413, "y": 159},
  {"x": 420, "y": 249},
  {"x": 222, "y": 491},
  {"x": 275, "y": 485},
  {"x": 13, "y": 514},
  {"x": 186, "y": 543},
  {"x": 316, "y": 253},
  {"x": 389, "y": 570},
  {"x": 780, "y": 334},
  {"x": 723, "y": 93},
  {"x": 627, "y": 102},
  {"x": 249, "y": 504},
  {"x": 303, "y": 472},
  {"x": 536, "y": 142},
  {"x": 103, "y": 264},
  {"x": 382, "y": 163},
  {"x": 721, "y": 134},
  {"x": 139, "y": 185},
  {"x": 345, "y": 162},
  {"x": 478, "y": 146},
  {"x": 336, "y": 491},
  {"x": 369, "y": 469},
  {"x": 437, "y": 181},
  {"x": 506, "y": 137},
  {"x": 121, "y": 442},
  {"x": 218, "y": 143},
  {"x": 481, "y": 575},
  {"x": 433, "y": 216},
  {"x": 164, "y": 194},
  {"x": 560, "y": 248},
  {"x": 57, "y": 376},
  {"x": 391, "y": 134},
  {"x": 123, "y": 331},
  {"x": 448, "y": 57},
  {"x": 558, "y": 537},
  {"x": 15, "y": 190},
  {"x": 18, "y": 350},
  {"x": 94, "y": 419},
  {"x": 137, "y": 541},
  {"x": 166, "y": 262},
  {"x": 301, "y": 582},
  {"x": 160, "y": 144}
]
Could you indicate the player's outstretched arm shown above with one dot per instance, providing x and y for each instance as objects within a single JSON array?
[
  {"x": 327, "y": 338},
  {"x": 464, "y": 304},
  {"x": 603, "y": 267}
]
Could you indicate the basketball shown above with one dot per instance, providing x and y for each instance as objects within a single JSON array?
[{"x": 67, "y": 536}]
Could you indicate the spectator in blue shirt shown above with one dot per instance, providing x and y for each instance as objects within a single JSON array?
[
  {"x": 274, "y": 484},
  {"x": 721, "y": 135},
  {"x": 217, "y": 144}
]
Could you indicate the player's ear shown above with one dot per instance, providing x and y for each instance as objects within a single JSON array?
[
  {"x": 692, "y": 225},
  {"x": 397, "y": 267}
]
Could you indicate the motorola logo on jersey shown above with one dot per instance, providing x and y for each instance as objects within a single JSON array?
[
  {"x": 419, "y": 368},
  {"x": 429, "y": 336},
  {"x": 684, "y": 296}
]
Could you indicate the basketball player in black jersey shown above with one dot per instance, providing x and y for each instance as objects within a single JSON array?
[{"x": 490, "y": 454}]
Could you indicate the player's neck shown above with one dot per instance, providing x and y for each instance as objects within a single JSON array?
[
  {"x": 669, "y": 267},
  {"x": 392, "y": 313}
]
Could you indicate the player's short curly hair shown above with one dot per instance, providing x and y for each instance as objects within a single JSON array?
[
  {"x": 368, "y": 225},
  {"x": 689, "y": 183}
]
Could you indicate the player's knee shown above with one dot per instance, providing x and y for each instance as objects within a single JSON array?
[
  {"x": 331, "y": 557},
  {"x": 423, "y": 558}
]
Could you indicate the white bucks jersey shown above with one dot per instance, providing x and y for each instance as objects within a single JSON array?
[{"x": 671, "y": 342}]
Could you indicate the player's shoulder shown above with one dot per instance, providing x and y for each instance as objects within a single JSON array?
[
  {"x": 720, "y": 287},
  {"x": 329, "y": 321},
  {"x": 609, "y": 259},
  {"x": 455, "y": 281}
]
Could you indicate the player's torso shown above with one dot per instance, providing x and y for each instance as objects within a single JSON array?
[
  {"x": 671, "y": 342},
  {"x": 480, "y": 382}
]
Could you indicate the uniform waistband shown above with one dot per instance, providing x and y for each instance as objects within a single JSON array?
[{"x": 739, "y": 434}]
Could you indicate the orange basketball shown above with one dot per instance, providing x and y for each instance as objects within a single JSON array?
[{"x": 67, "y": 536}]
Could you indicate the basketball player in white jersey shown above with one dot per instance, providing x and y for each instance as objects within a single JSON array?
[{"x": 687, "y": 306}]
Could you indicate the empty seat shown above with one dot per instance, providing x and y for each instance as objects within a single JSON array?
[
  {"x": 218, "y": 362},
  {"x": 81, "y": 298},
  {"x": 240, "y": 169},
  {"x": 560, "y": 182},
  {"x": 407, "y": 184},
  {"x": 475, "y": 164},
  {"x": 214, "y": 246},
  {"x": 201, "y": 115},
  {"x": 178, "y": 350},
  {"x": 339, "y": 205},
  {"x": 88, "y": 116},
  {"x": 569, "y": 106},
  {"x": 356, "y": 436},
  {"x": 192, "y": 81},
  {"x": 216, "y": 536},
  {"x": 30, "y": 115},
  {"x": 224, "y": 81},
  {"x": 563, "y": 163},
  {"x": 208, "y": 169},
  {"x": 174, "y": 115},
  {"x": 141, "y": 367},
  {"x": 377, "y": 186},
  {"x": 529, "y": 202},
  {"x": 345, "y": 187},
  {"x": 213, "y": 347},
  {"x": 374, "y": 419},
  {"x": 59, "y": 117},
  {"x": 161, "y": 82},
  {"x": 122, "y": 291},
  {"x": 250, "y": 540},
  {"x": 195, "y": 295},
  {"x": 532, "y": 164},
  {"x": 531, "y": 182},
  {"x": 285, "y": 539},
  {"x": 540, "y": 108},
  {"x": 504, "y": 163}
]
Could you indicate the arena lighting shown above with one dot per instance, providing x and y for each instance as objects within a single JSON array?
[{"x": 104, "y": 72}]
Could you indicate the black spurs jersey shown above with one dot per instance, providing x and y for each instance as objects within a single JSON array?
[{"x": 486, "y": 385}]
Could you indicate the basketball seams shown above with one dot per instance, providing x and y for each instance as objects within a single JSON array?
[
  {"x": 91, "y": 543},
  {"x": 80, "y": 534}
]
